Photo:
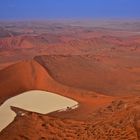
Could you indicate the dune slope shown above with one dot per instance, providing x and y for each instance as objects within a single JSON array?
[{"x": 97, "y": 117}]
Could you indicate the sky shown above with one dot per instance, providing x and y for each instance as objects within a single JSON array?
[{"x": 69, "y": 9}]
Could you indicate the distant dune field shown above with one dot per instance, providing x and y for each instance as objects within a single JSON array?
[{"x": 95, "y": 63}]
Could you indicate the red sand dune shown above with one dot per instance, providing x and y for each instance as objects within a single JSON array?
[
  {"x": 103, "y": 74},
  {"x": 96, "y": 66},
  {"x": 98, "y": 116}
]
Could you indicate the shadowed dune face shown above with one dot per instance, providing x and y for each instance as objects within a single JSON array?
[{"x": 116, "y": 75}]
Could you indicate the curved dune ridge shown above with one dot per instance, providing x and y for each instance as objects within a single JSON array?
[
  {"x": 30, "y": 75},
  {"x": 109, "y": 76},
  {"x": 24, "y": 76},
  {"x": 35, "y": 101},
  {"x": 97, "y": 116}
]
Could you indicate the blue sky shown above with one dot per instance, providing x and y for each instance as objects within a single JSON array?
[{"x": 61, "y": 9}]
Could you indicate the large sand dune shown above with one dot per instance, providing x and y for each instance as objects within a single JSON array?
[
  {"x": 87, "y": 121},
  {"x": 96, "y": 66},
  {"x": 110, "y": 76}
]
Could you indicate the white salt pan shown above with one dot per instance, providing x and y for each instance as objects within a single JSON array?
[{"x": 35, "y": 101}]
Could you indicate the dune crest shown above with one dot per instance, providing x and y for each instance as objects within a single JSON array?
[{"x": 93, "y": 114}]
